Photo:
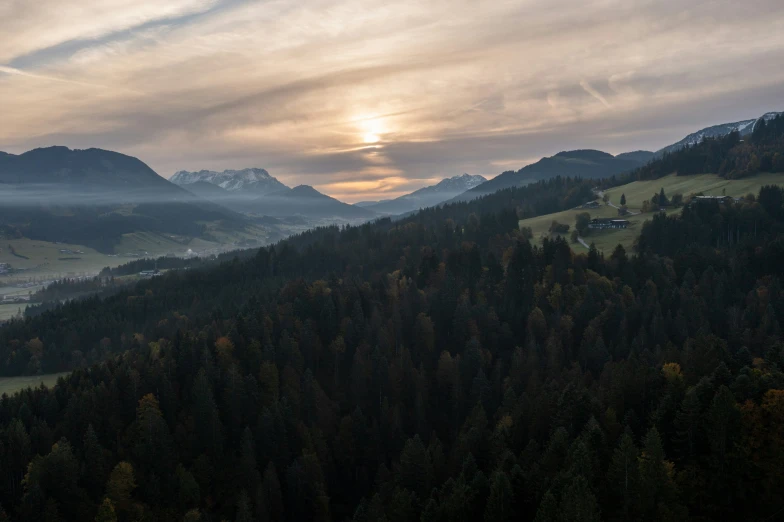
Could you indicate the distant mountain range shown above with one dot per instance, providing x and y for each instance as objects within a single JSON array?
[
  {"x": 257, "y": 181},
  {"x": 93, "y": 197},
  {"x": 254, "y": 191},
  {"x": 426, "y": 197},
  {"x": 744, "y": 127},
  {"x": 575, "y": 163}
]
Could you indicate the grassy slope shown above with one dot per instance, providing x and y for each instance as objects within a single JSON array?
[
  {"x": 639, "y": 191},
  {"x": 45, "y": 263},
  {"x": 45, "y": 255},
  {"x": 10, "y": 385}
]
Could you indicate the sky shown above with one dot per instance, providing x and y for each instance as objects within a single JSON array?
[{"x": 370, "y": 99}]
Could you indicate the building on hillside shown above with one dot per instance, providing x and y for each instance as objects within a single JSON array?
[
  {"x": 718, "y": 199},
  {"x": 602, "y": 224},
  {"x": 591, "y": 204},
  {"x": 721, "y": 200}
]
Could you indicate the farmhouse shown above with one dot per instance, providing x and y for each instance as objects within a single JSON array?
[
  {"x": 602, "y": 224},
  {"x": 591, "y": 204},
  {"x": 718, "y": 199}
]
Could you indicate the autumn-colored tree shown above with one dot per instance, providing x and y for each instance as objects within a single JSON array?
[
  {"x": 224, "y": 350},
  {"x": 106, "y": 512},
  {"x": 120, "y": 485}
]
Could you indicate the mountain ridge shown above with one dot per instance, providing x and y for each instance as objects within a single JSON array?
[
  {"x": 584, "y": 163},
  {"x": 428, "y": 196},
  {"x": 744, "y": 127},
  {"x": 257, "y": 180},
  {"x": 85, "y": 168}
]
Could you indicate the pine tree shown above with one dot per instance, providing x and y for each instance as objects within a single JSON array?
[
  {"x": 248, "y": 471},
  {"x": 548, "y": 509},
  {"x": 269, "y": 501},
  {"x": 94, "y": 471},
  {"x": 623, "y": 475},
  {"x": 188, "y": 491},
  {"x": 209, "y": 430},
  {"x": 623, "y": 200},
  {"x": 243, "y": 508},
  {"x": 499, "y": 504},
  {"x": 688, "y": 425},
  {"x": 578, "y": 502},
  {"x": 415, "y": 467},
  {"x": 662, "y": 202}
]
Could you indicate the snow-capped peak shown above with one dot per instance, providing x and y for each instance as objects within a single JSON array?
[
  {"x": 744, "y": 127},
  {"x": 458, "y": 183},
  {"x": 255, "y": 179}
]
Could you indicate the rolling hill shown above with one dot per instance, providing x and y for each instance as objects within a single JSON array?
[{"x": 576, "y": 163}]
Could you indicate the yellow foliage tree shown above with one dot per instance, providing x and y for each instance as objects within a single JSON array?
[{"x": 120, "y": 485}]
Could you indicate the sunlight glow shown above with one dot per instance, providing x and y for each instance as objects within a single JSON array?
[{"x": 371, "y": 128}]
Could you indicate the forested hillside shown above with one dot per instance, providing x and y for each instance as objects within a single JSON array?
[
  {"x": 436, "y": 368},
  {"x": 730, "y": 156}
]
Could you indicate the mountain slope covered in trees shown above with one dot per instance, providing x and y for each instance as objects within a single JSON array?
[
  {"x": 436, "y": 368},
  {"x": 731, "y": 155}
]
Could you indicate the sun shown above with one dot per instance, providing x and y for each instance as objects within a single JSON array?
[{"x": 371, "y": 128}]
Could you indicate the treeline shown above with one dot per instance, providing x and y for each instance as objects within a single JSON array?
[
  {"x": 71, "y": 288},
  {"x": 750, "y": 227},
  {"x": 729, "y": 156}
]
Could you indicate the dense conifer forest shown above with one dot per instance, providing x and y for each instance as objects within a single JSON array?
[{"x": 436, "y": 368}]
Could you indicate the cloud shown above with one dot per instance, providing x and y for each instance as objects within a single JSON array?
[
  {"x": 593, "y": 92},
  {"x": 441, "y": 87}
]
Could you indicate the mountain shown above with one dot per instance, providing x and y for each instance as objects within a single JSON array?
[
  {"x": 391, "y": 372},
  {"x": 257, "y": 181},
  {"x": 306, "y": 201},
  {"x": 428, "y": 196},
  {"x": 731, "y": 156},
  {"x": 91, "y": 170},
  {"x": 744, "y": 127},
  {"x": 254, "y": 191},
  {"x": 641, "y": 156},
  {"x": 93, "y": 197},
  {"x": 575, "y": 163}
]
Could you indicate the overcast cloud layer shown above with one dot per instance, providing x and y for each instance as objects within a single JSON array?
[{"x": 367, "y": 99}]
